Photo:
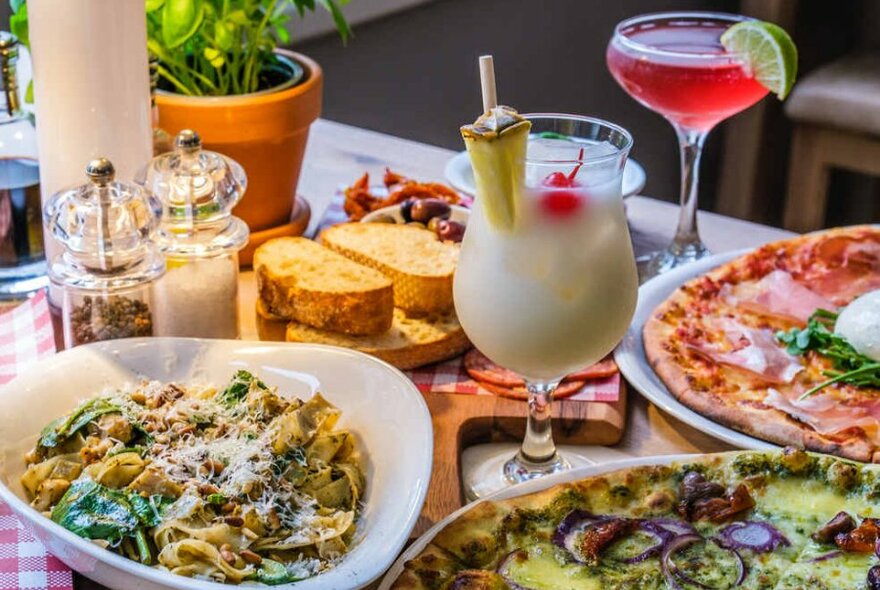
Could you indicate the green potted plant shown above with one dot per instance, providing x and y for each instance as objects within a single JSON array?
[{"x": 222, "y": 72}]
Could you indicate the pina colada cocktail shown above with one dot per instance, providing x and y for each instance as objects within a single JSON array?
[
  {"x": 553, "y": 292},
  {"x": 546, "y": 282}
]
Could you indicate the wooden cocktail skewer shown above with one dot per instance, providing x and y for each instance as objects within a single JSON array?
[{"x": 487, "y": 83}]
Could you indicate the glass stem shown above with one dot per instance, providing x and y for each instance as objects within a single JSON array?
[
  {"x": 687, "y": 236},
  {"x": 538, "y": 446}
]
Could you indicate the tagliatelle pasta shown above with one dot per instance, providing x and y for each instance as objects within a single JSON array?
[{"x": 233, "y": 485}]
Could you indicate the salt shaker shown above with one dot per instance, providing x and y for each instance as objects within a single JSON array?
[
  {"x": 200, "y": 238},
  {"x": 109, "y": 265}
]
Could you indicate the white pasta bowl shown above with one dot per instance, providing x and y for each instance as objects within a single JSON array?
[{"x": 379, "y": 405}]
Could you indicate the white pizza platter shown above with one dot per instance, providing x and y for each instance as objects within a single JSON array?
[
  {"x": 529, "y": 487},
  {"x": 630, "y": 353}
]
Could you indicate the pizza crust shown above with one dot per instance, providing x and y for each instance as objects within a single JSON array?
[{"x": 432, "y": 559}]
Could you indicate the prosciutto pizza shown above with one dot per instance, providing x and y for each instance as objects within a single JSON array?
[
  {"x": 787, "y": 520},
  {"x": 752, "y": 344}
]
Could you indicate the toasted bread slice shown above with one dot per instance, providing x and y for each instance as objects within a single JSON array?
[
  {"x": 303, "y": 281},
  {"x": 420, "y": 265},
  {"x": 410, "y": 343},
  {"x": 271, "y": 327}
]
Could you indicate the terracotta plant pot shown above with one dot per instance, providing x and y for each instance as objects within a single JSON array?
[{"x": 266, "y": 133}]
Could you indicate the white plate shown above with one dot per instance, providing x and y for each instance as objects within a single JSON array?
[
  {"x": 630, "y": 353},
  {"x": 379, "y": 404},
  {"x": 460, "y": 175},
  {"x": 459, "y": 214},
  {"x": 529, "y": 487}
]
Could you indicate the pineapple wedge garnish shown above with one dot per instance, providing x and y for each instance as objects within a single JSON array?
[{"x": 496, "y": 143}]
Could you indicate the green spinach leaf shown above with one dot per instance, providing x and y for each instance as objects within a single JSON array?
[
  {"x": 94, "y": 511},
  {"x": 62, "y": 429},
  {"x": 242, "y": 382},
  {"x": 149, "y": 510}
]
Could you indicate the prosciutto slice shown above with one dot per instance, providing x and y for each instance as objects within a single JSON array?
[
  {"x": 754, "y": 351},
  {"x": 848, "y": 251},
  {"x": 848, "y": 268},
  {"x": 827, "y": 415},
  {"x": 844, "y": 284},
  {"x": 779, "y": 295}
]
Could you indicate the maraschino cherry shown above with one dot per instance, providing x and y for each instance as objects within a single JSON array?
[{"x": 556, "y": 200}]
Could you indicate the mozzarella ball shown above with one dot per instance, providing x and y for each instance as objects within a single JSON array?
[{"x": 859, "y": 324}]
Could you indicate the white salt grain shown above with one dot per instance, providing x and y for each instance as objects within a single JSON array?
[{"x": 198, "y": 298}]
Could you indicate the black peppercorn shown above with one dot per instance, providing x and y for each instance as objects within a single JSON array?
[{"x": 98, "y": 318}]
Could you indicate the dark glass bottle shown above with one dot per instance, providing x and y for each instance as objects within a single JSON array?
[{"x": 22, "y": 260}]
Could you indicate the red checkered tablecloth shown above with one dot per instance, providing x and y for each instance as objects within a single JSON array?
[
  {"x": 24, "y": 563},
  {"x": 25, "y": 338}
]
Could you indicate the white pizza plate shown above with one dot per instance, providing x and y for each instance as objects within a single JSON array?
[
  {"x": 529, "y": 487},
  {"x": 630, "y": 353},
  {"x": 379, "y": 405},
  {"x": 460, "y": 175}
]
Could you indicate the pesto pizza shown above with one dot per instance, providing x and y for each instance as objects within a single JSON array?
[
  {"x": 753, "y": 520},
  {"x": 782, "y": 343}
]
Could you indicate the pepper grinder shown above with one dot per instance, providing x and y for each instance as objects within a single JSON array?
[
  {"x": 200, "y": 238},
  {"x": 109, "y": 265}
]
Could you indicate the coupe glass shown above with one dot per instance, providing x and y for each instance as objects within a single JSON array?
[
  {"x": 674, "y": 64},
  {"x": 556, "y": 291}
]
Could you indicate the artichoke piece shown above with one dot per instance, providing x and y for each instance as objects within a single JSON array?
[
  {"x": 118, "y": 471},
  {"x": 66, "y": 467},
  {"x": 298, "y": 425},
  {"x": 355, "y": 477},
  {"x": 317, "y": 480},
  {"x": 153, "y": 482},
  {"x": 338, "y": 494},
  {"x": 325, "y": 446}
]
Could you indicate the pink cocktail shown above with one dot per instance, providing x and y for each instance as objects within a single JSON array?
[
  {"x": 675, "y": 64},
  {"x": 692, "y": 93}
]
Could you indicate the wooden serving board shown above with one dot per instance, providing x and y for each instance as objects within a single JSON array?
[{"x": 462, "y": 420}]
